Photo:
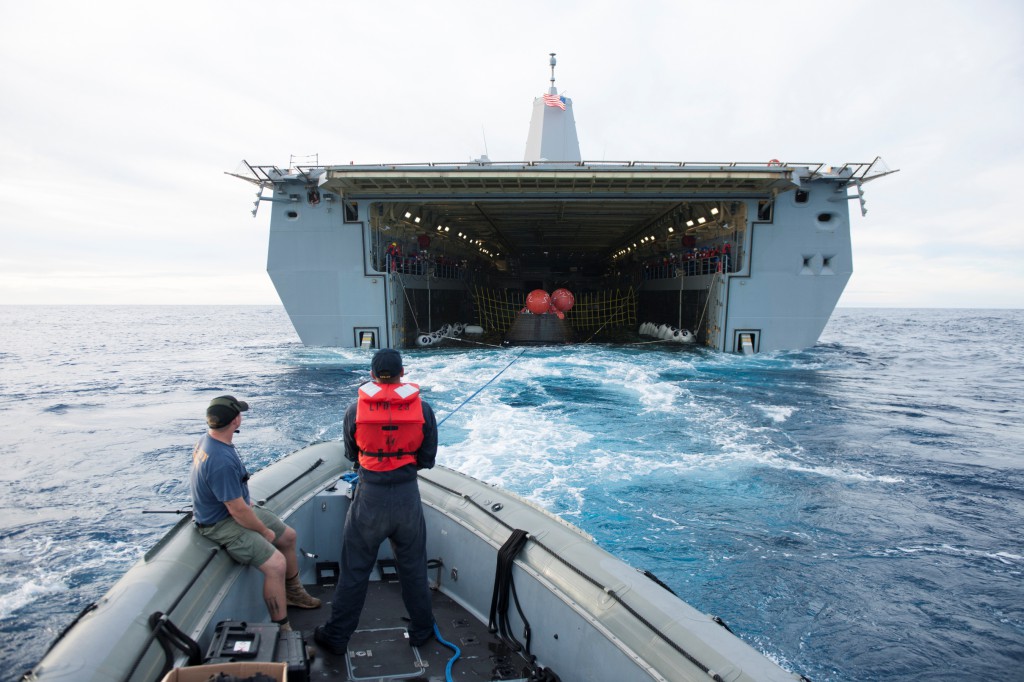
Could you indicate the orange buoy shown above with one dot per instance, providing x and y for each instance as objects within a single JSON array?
[
  {"x": 563, "y": 300},
  {"x": 538, "y": 301}
]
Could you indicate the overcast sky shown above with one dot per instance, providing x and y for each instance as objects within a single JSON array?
[{"x": 117, "y": 120}]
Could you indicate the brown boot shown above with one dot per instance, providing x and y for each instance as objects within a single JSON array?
[{"x": 297, "y": 596}]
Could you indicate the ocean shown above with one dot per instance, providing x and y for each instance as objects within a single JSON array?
[{"x": 854, "y": 511}]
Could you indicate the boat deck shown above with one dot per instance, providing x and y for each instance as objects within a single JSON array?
[{"x": 380, "y": 650}]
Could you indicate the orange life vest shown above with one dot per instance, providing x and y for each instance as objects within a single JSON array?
[{"x": 389, "y": 425}]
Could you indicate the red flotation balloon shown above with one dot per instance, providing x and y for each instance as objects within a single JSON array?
[
  {"x": 537, "y": 301},
  {"x": 563, "y": 300}
]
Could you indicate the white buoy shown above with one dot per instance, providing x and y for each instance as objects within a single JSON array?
[
  {"x": 424, "y": 340},
  {"x": 474, "y": 329}
]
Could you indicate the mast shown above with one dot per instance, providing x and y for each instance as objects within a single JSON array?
[{"x": 552, "y": 134}]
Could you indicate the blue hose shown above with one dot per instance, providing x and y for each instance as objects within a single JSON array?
[{"x": 451, "y": 661}]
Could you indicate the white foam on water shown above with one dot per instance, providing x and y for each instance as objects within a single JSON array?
[
  {"x": 18, "y": 592},
  {"x": 777, "y": 413},
  {"x": 47, "y": 566},
  {"x": 530, "y": 450},
  {"x": 537, "y": 450},
  {"x": 1002, "y": 557}
]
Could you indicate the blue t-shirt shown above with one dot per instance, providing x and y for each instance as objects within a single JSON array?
[{"x": 217, "y": 476}]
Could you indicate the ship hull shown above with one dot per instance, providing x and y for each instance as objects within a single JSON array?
[{"x": 754, "y": 254}]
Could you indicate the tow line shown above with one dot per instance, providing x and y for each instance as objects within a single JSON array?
[{"x": 481, "y": 388}]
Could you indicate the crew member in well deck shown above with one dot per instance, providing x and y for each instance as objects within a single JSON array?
[
  {"x": 223, "y": 512},
  {"x": 390, "y": 433}
]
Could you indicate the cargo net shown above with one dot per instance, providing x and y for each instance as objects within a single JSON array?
[{"x": 593, "y": 311}]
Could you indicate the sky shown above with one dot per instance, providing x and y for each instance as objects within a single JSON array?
[{"x": 118, "y": 121}]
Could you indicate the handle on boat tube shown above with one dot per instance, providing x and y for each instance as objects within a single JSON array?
[
  {"x": 162, "y": 618},
  {"x": 292, "y": 482}
]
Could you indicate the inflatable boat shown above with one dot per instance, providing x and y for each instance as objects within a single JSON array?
[{"x": 519, "y": 594}]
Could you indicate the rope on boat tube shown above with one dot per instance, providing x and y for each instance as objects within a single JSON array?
[
  {"x": 171, "y": 637},
  {"x": 162, "y": 618},
  {"x": 497, "y": 621},
  {"x": 610, "y": 592}
]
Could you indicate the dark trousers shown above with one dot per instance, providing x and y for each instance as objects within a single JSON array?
[{"x": 378, "y": 513}]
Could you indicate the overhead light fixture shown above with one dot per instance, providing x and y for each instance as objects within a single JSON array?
[
  {"x": 408, "y": 215},
  {"x": 445, "y": 228},
  {"x": 671, "y": 229},
  {"x": 701, "y": 220},
  {"x": 689, "y": 223},
  {"x": 417, "y": 220},
  {"x": 714, "y": 211}
]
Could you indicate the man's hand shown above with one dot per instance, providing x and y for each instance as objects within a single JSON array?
[{"x": 246, "y": 518}]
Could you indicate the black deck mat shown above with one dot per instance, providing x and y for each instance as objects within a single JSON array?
[{"x": 379, "y": 649}]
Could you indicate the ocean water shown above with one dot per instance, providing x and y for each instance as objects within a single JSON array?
[{"x": 854, "y": 510}]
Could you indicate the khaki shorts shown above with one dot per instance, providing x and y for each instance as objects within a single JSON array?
[{"x": 245, "y": 546}]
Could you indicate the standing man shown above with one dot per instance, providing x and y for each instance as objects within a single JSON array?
[
  {"x": 390, "y": 433},
  {"x": 223, "y": 512}
]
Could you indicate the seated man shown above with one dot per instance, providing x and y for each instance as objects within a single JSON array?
[{"x": 223, "y": 512}]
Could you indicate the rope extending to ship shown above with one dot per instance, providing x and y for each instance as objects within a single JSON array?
[
  {"x": 610, "y": 317},
  {"x": 481, "y": 388},
  {"x": 707, "y": 301},
  {"x": 407, "y": 301},
  {"x": 478, "y": 343}
]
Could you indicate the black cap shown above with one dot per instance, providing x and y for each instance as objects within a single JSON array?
[
  {"x": 387, "y": 364},
  {"x": 223, "y": 410}
]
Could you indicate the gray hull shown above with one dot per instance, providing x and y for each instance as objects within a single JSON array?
[{"x": 548, "y": 225}]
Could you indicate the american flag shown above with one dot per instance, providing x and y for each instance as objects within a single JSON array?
[{"x": 555, "y": 101}]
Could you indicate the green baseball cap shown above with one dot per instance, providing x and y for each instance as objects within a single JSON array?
[{"x": 223, "y": 410}]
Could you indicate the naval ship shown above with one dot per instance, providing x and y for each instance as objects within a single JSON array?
[{"x": 751, "y": 257}]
